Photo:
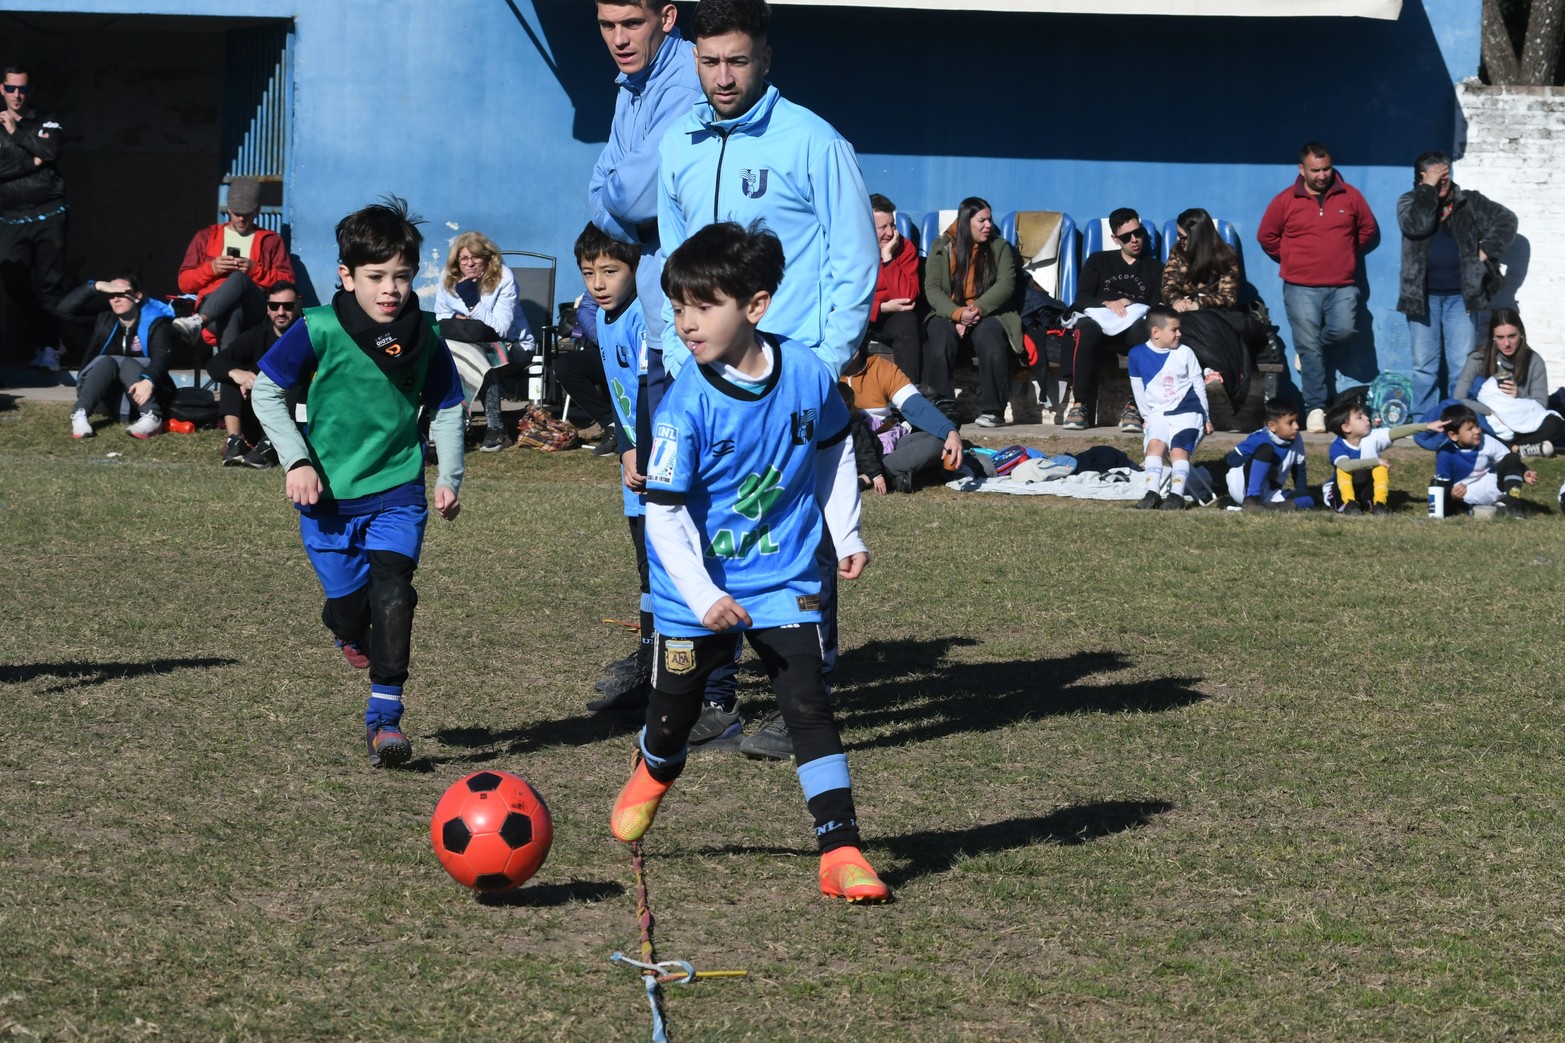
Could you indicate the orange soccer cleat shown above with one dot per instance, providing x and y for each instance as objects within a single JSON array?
[
  {"x": 637, "y": 805},
  {"x": 845, "y": 874}
]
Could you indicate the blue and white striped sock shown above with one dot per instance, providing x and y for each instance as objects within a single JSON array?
[{"x": 385, "y": 706}]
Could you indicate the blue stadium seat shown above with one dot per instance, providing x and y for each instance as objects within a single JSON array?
[
  {"x": 1054, "y": 260},
  {"x": 1225, "y": 231}
]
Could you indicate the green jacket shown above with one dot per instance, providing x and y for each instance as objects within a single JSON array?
[{"x": 1002, "y": 300}]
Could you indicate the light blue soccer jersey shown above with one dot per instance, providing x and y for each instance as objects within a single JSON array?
[
  {"x": 622, "y": 344},
  {"x": 744, "y": 465}
]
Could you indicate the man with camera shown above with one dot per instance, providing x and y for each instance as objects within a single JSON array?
[{"x": 229, "y": 267}]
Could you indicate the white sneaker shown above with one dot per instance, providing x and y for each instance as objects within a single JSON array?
[
  {"x": 189, "y": 327},
  {"x": 47, "y": 358},
  {"x": 146, "y": 425},
  {"x": 1531, "y": 449},
  {"x": 1315, "y": 424},
  {"x": 987, "y": 420},
  {"x": 81, "y": 427}
]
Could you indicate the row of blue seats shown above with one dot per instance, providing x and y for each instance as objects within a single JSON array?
[{"x": 923, "y": 229}]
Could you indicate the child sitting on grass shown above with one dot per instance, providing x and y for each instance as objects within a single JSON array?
[
  {"x": 1170, "y": 391},
  {"x": 1260, "y": 467},
  {"x": 748, "y": 462},
  {"x": 1476, "y": 469},
  {"x": 1362, "y": 480}
]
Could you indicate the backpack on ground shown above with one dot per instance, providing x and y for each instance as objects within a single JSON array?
[
  {"x": 1390, "y": 400},
  {"x": 539, "y": 429},
  {"x": 196, "y": 406}
]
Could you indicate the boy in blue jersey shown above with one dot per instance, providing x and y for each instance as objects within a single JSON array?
[
  {"x": 747, "y": 466},
  {"x": 1361, "y": 481},
  {"x": 370, "y": 359},
  {"x": 608, "y": 268},
  {"x": 1170, "y": 392},
  {"x": 1476, "y": 469},
  {"x": 1266, "y": 470}
]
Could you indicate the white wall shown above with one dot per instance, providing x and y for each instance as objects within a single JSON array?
[{"x": 1515, "y": 155}]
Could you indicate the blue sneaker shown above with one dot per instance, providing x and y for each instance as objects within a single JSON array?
[{"x": 388, "y": 747}]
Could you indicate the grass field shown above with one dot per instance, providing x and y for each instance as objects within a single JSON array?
[{"x": 1132, "y": 777}]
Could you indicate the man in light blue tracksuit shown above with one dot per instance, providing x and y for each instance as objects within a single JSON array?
[
  {"x": 746, "y": 153},
  {"x": 657, "y": 87}
]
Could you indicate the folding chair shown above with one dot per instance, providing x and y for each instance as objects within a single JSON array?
[
  {"x": 535, "y": 293},
  {"x": 1045, "y": 242}
]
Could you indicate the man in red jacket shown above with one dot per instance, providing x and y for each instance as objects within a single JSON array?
[
  {"x": 1316, "y": 229},
  {"x": 229, "y": 267},
  {"x": 892, "y": 320}
]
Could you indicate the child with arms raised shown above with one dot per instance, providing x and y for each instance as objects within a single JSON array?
[{"x": 1476, "y": 469}]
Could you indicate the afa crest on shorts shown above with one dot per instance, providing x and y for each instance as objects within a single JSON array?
[{"x": 679, "y": 657}]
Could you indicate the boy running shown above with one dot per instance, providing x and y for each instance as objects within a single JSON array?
[
  {"x": 370, "y": 360},
  {"x": 747, "y": 465}
]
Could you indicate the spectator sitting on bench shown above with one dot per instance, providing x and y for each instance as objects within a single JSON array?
[
  {"x": 970, "y": 285},
  {"x": 1201, "y": 282},
  {"x": 1113, "y": 284},
  {"x": 483, "y": 325},
  {"x": 229, "y": 266},
  {"x": 878, "y": 388},
  {"x": 235, "y": 368},
  {"x": 130, "y": 347},
  {"x": 893, "y": 318}
]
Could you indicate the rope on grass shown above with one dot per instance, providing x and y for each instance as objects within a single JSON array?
[
  {"x": 624, "y": 624},
  {"x": 655, "y": 973}
]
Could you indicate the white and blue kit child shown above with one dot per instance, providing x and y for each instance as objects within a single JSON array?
[
  {"x": 1269, "y": 469},
  {"x": 1476, "y": 468}
]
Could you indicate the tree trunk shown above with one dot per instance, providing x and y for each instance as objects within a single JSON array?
[
  {"x": 1540, "y": 56},
  {"x": 1499, "y": 54}
]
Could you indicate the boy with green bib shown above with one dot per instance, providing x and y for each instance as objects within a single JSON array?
[{"x": 370, "y": 360}]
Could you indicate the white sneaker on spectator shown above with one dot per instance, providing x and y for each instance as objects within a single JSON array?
[
  {"x": 987, "y": 420},
  {"x": 81, "y": 427},
  {"x": 1529, "y": 450},
  {"x": 146, "y": 425},
  {"x": 189, "y": 327},
  {"x": 47, "y": 358},
  {"x": 1315, "y": 423}
]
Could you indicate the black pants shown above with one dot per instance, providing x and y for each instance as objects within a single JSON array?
[
  {"x": 791, "y": 657},
  {"x": 903, "y": 331},
  {"x": 1551, "y": 430},
  {"x": 379, "y": 616},
  {"x": 1093, "y": 349},
  {"x": 990, "y": 344},
  {"x": 32, "y": 281},
  {"x": 581, "y": 376},
  {"x": 235, "y": 306}
]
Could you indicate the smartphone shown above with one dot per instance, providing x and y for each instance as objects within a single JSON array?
[{"x": 233, "y": 251}]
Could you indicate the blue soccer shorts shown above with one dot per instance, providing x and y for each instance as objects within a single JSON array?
[{"x": 339, "y": 547}]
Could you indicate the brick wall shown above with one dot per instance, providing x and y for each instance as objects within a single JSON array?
[{"x": 1515, "y": 155}]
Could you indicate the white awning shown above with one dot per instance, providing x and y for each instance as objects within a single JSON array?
[{"x": 1387, "y": 9}]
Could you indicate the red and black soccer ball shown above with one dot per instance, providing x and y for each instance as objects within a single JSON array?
[{"x": 491, "y": 831}]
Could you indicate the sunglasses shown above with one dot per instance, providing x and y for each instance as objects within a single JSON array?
[
  {"x": 1139, "y": 233},
  {"x": 281, "y": 305},
  {"x": 15, "y": 88}
]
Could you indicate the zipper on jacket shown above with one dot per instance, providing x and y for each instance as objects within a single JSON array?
[{"x": 717, "y": 188}]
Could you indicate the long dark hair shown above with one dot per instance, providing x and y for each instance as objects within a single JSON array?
[
  {"x": 962, "y": 249},
  {"x": 1491, "y": 355},
  {"x": 1207, "y": 256}
]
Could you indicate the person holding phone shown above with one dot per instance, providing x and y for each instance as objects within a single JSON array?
[
  {"x": 1507, "y": 384},
  {"x": 229, "y": 267}
]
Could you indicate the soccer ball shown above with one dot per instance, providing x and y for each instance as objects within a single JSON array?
[{"x": 491, "y": 831}]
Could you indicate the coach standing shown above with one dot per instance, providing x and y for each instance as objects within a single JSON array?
[
  {"x": 1317, "y": 229},
  {"x": 32, "y": 223}
]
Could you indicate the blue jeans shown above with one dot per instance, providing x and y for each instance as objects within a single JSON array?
[
  {"x": 1447, "y": 333},
  {"x": 1319, "y": 317}
]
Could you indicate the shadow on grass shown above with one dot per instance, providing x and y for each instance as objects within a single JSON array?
[
  {"x": 492, "y": 743},
  {"x": 81, "y": 675},
  {"x": 943, "y": 698},
  {"x": 540, "y": 895},
  {"x": 936, "y": 851}
]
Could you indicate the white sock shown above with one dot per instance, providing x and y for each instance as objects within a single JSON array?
[
  {"x": 1181, "y": 472},
  {"x": 1154, "y": 469}
]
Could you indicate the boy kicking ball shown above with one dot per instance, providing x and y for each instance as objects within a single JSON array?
[
  {"x": 747, "y": 464},
  {"x": 370, "y": 359}
]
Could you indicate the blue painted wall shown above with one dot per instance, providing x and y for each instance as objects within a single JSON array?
[{"x": 488, "y": 114}]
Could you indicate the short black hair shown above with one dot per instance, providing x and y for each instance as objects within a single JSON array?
[
  {"x": 1280, "y": 409},
  {"x": 881, "y": 204},
  {"x": 280, "y": 286},
  {"x": 724, "y": 260},
  {"x": 718, "y": 17},
  {"x": 1339, "y": 414},
  {"x": 378, "y": 233},
  {"x": 1313, "y": 148},
  {"x": 1456, "y": 417},
  {"x": 129, "y": 276},
  {"x": 1120, "y": 216},
  {"x": 1158, "y": 316},
  {"x": 17, "y": 70},
  {"x": 594, "y": 242}
]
